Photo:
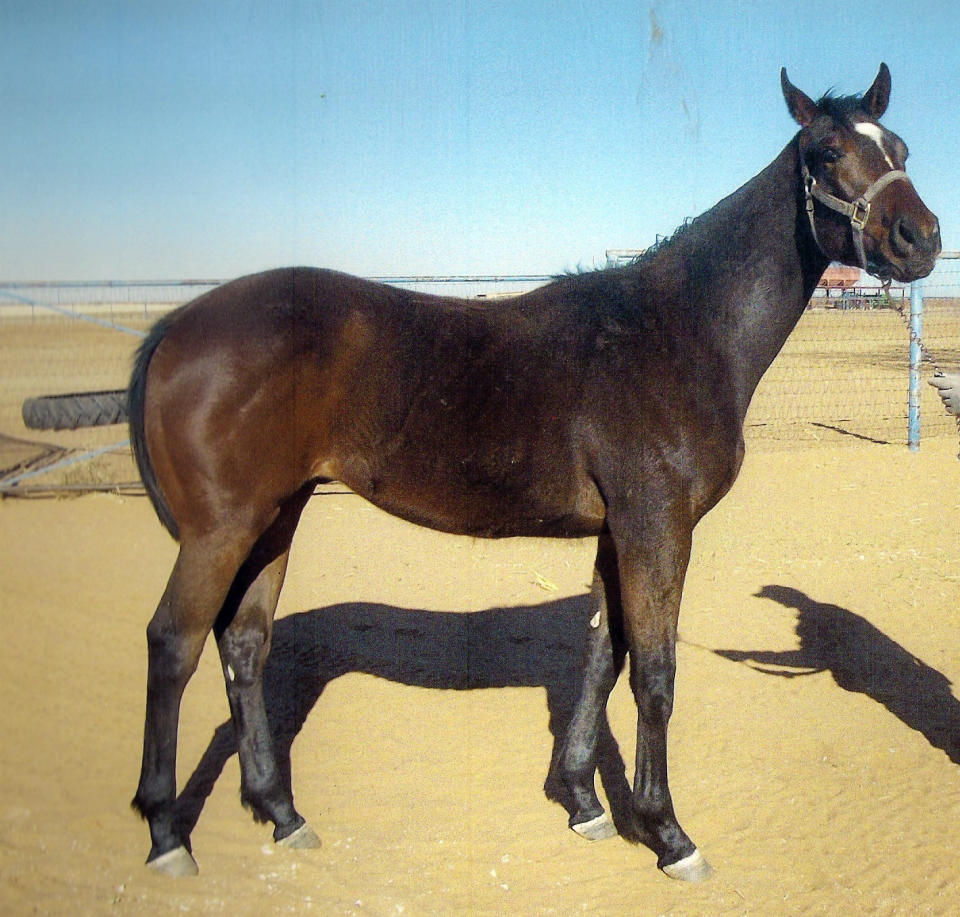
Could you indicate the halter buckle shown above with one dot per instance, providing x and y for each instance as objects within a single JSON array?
[{"x": 860, "y": 214}]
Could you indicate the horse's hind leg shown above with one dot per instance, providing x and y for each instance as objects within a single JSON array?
[
  {"x": 201, "y": 578},
  {"x": 243, "y": 638}
]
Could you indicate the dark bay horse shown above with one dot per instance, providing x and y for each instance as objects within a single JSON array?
[{"x": 606, "y": 404}]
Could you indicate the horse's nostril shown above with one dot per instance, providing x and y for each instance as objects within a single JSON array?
[{"x": 904, "y": 236}]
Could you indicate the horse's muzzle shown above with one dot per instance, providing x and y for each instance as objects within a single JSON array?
[{"x": 915, "y": 245}]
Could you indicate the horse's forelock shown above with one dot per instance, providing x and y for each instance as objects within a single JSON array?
[{"x": 842, "y": 109}]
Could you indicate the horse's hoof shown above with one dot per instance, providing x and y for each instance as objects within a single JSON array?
[
  {"x": 692, "y": 868},
  {"x": 304, "y": 838},
  {"x": 177, "y": 862},
  {"x": 597, "y": 829}
]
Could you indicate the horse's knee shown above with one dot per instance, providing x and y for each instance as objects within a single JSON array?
[
  {"x": 656, "y": 705},
  {"x": 652, "y": 683}
]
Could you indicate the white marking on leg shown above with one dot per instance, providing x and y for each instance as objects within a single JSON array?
[
  {"x": 875, "y": 133},
  {"x": 230, "y": 674},
  {"x": 595, "y": 621}
]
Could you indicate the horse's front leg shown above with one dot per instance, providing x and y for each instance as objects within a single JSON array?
[
  {"x": 652, "y": 565},
  {"x": 603, "y": 660}
]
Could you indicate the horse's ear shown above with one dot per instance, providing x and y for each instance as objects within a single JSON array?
[
  {"x": 876, "y": 98},
  {"x": 801, "y": 107}
]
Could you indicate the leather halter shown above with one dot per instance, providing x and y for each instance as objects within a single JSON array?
[{"x": 858, "y": 212}]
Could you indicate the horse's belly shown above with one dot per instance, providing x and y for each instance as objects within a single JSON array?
[{"x": 485, "y": 509}]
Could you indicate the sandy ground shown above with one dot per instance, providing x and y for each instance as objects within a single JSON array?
[{"x": 416, "y": 677}]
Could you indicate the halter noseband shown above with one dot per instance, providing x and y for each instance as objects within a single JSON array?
[{"x": 858, "y": 212}]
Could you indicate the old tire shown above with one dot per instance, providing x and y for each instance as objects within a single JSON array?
[{"x": 80, "y": 409}]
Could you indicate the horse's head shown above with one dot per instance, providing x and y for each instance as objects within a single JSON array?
[{"x": 862, "y": 208}]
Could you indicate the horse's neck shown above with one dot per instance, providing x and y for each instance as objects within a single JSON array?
[{"x": 753, "y": 269}]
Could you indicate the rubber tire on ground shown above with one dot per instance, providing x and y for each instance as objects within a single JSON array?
[{"x": 80, "y": 409}]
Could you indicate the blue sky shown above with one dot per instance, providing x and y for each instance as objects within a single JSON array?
[{"x": 206, "y": 139}]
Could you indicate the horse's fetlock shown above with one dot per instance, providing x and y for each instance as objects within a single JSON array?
[{"x": 141, "y": 807}]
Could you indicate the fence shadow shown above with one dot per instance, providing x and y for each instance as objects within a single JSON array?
[
  {"x": 864, "y": 660},
  {"x": 528, "y": 646},
  {"x": 845, "y": 432}
]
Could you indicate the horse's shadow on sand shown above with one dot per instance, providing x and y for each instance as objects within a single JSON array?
[
  {"x": 864, "y": 660},
  {"x": 528, "y": 646},
  {"x": 541, "y": 646}
]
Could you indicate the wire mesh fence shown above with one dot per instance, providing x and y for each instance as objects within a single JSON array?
[
  {"x": 841, "y": 378},
  {"x": 844, "y": 375}
]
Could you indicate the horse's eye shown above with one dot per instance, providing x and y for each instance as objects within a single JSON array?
[{"x": 830, "y": 156}]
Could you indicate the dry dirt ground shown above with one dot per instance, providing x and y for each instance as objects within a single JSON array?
[{"x": 417, "y": 681}]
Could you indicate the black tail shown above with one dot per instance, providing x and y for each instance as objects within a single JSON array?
[{"x": 136, "y": 397}]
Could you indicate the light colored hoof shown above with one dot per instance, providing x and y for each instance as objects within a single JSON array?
[
  {"x": 692, "y": 868},
  {"x": 304, "y": 838},
  {"x": 177, "y": 862},
  {"x": 597, "y": 829}
]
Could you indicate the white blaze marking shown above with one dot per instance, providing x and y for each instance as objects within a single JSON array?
[{"x": 875, "y": 133}]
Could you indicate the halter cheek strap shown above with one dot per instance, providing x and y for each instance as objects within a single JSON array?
[{"x": 858, "y": 212}]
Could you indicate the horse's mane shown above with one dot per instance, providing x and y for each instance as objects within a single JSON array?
[
  {"x": 662, "y": 243},
  {"x": 648, "y": 254}
]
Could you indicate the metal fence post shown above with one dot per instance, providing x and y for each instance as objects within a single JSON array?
[{"x": 916, "y": 330}]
